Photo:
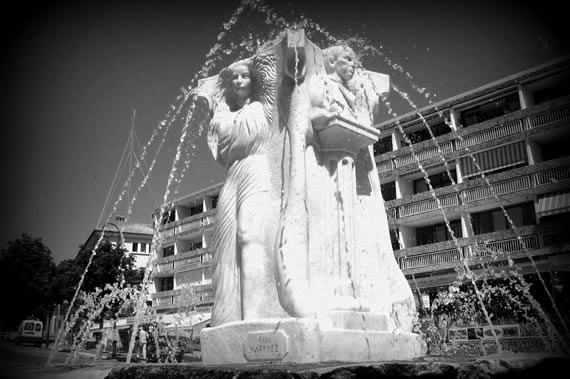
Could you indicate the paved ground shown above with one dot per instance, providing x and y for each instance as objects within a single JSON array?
[{"x": 25, "y": 361}]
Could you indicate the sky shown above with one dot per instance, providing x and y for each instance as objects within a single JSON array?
[{"x": 73, "y": 74}]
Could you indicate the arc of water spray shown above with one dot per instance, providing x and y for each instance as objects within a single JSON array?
[
  {"x": 78, "y": 288},
  {"x": 456, "y": 242},
  {"x": 532, "y": 300},
  {"x": 505, "y": 213}
]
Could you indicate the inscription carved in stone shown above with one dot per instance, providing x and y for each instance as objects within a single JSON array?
[{"x": 266, "y": 345}]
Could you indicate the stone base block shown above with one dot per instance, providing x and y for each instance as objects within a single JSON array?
[{"x": 297, "y": 340}]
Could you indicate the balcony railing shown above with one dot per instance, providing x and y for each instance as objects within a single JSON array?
[
  {"x": 428, "y": 205},
  {"x": 553, "y": 238},
  {"x": 193, "y": 261},
  {"x": 190, "y": 224},
  {"x": 161, "y": 267},
  {"x": 474, "y": 251},
  {"x": 385, "y": 166},
  {"x": 178, "y": 300},
  {"x": 468, "y": 139},
  {"x": 552, "y": 176},
  {"x": 547, "y": 117},
  {"x": 492, "y": 134},
  {"x": 512, "y": 245},
  {"x": 521, "y": 183},
  {"x": 499, "y": 188},
  {"x": 430, "y": 152},
  {"x": 164, "y": 301},
  {"x": 430, "y": 259}
]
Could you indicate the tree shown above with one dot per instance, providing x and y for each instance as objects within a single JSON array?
[
  {"x": 26, "y": 269},
  {"x": 110, "y": 265}
]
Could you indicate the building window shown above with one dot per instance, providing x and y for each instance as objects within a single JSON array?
[
  {"x": 495, "y": 220},
  {"x": 215, "y": 201},
  {"x": 197, "y": 209},
  {"x": 554, "y": 149},
  {"x": 168, "y": 251},
  {"x": 388, "y": 191},
  {"x": 143, "y": 247},
  {"x": 438, "y": 233},
  {"x": 195, "y": 246},
  {"x": 135, "y": 247},
  {"x": 436, "y": 181},
  {"x": 491, "y": 109},
  {"x": 168, "y": 217},
  {"x": 383, "y": 145},
  {"x": 166, "y": 284},
  {"x": 424, "y": 135}
]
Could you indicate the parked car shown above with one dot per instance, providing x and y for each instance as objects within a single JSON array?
[{"x": 29, "y": 331}]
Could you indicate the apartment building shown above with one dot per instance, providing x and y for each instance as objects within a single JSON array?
[
  {"x": 498, "y": 149},
  {"x": 183, "y": 258}
]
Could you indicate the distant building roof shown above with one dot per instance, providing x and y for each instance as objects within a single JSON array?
[
  {"x": 144, "y": 231},
  {"x": 136, "y": 228}
]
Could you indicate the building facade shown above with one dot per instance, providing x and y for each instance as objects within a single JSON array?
[
  {"x": 183, "y": 257},
  {"x": 499, "y": 181},
  {"x": 136, "y": 238}
]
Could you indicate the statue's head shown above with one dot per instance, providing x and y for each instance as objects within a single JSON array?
[
  {"x": 238, "y": 83},
  {"x": 241, "y": 80},
  {"x": 340, "y": 61}
]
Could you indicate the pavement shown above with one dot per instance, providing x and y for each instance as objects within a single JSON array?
[
  {"x": 27, "y": 362},
  {"x": 23, "y": 362}
]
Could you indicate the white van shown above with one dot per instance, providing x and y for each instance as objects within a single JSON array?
[{"x": 30, "y": 331}]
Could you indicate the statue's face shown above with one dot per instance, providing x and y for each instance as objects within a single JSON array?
[
  {"x": 241, "y": 81},
  {"x": 344, "y": 65}
]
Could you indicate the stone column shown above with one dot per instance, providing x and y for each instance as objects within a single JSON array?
[{"x": 340, "y": 141}]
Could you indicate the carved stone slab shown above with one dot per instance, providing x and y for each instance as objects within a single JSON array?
[{"x": 266, "y": 345}]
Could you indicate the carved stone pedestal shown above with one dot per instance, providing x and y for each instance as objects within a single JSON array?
[{"x": 302, "y": 340}]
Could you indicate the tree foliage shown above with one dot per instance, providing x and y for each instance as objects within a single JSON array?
[
  {"x": 110, "y": 264},
  {"x": 26, "y": 272},
  {"x": 505, "y": 301},
  {"x": 34, "y": 284}
]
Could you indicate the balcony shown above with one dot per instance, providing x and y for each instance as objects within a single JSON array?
[
  {"x": 428, "y": 205},
  {"x": 475, "y": 138},
  {"x": 177, "y": 299},
  {"x": 183, "y": 261},
  {"x": 500, "y": 188},
  {"x": 187, "y": 225},
  {"x": 431, "y": 259},
  {"x": 203, "y": 258},
  {"x": 498, "y": 246},
  {"x": 424, "y": 154},
  {"x": 492, "y": 134},
  {"x": 531, "y": 179}
]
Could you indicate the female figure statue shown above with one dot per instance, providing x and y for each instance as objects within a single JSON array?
[{"x": 243, "y": 278}]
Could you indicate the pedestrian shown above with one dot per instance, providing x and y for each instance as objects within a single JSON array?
[
  {"x": 143, "y": 340},
  {"x": 114, "y": 340}
]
